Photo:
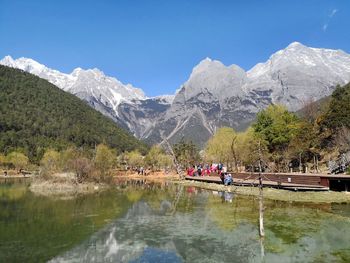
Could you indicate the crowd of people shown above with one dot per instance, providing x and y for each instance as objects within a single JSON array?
[
  {"x": 210, "y": 170},
  {"x": 205, "y": 169}
]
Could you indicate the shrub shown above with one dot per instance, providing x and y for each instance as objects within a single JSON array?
[{"x": 18, "y": 160}]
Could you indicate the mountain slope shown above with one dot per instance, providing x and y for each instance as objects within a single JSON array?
[
  {"x": 35, "y": 114},
  {"x": 92, "y": 85},
  {"x": 215, "y": 95},
  {"x": 299, "y": 73}
]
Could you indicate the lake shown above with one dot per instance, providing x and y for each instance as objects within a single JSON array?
[{"x": 139, "y": 221}]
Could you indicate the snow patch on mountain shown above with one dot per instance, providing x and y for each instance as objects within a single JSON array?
[
  {"x": 164, "y": 99},
  {"x": 214, "y": 95},
  {"x": 297, "y": 73},
  {"x": 90, "y": 84}
]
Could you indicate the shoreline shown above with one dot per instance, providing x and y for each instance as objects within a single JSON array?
[
  {"x": 269, "y": 193},
  {"x": 50, "y": 189},
  {"x": 62, "y": 185},
  {"x": 275, "y": 194}
]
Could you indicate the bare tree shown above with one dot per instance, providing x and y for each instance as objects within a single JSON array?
[
  {"x": 309, "y": 110},
  {"x": 82, "y": 167},
  {"x": 342, "y": 139},
  {"x": 234, "y": 153}
]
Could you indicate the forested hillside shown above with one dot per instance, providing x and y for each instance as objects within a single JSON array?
[
  {"x": 36, "y": 115},
  {"x": 338, "y": 114},
  {"x": 316, "y": 138}
]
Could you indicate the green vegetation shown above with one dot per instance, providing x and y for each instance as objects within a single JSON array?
[
  {"x": 220, "y": 146},
  {"x": 135, "y": 158},
  {"x": 79, "y": 162},
  {"x": 276, "y": 126},
  {"x": 19, "y": 160},
  {"x": 73, "y": 165},
  {"x": 157, "y": 158},
  {"x": 337, "y": 114},
  {"x": 105, "y": 159},
  {"x": 35, "y": 116},
  {"x": 186, "y": 153}
]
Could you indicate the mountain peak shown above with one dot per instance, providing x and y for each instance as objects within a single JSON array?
[
  {"x": 90, "y": 84},
  {"x": 293, "y": 47},
  {"x": 26, "y": 64},
  {"x": 76, "y": 71},
  {"x": 207, "y": 64},
  {"x": 213, "y": 78},
  {"x": 295, "y": 44},
  {"x": 7, "y": 60},
  {"x": 97, "y": 71},
  {"x": 205, "y": 61}
]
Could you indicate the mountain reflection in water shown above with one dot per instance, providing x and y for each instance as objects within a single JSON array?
[{"x": 141, "y": 221}]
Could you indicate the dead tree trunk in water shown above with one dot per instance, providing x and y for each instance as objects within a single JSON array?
[
  {"x": 261, "y": 203},
  {"x": 261, "y": 207},
  {"x": 176, "y": 164}
]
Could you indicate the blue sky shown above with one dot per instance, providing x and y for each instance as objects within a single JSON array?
[{"x": 155, "y": 44}]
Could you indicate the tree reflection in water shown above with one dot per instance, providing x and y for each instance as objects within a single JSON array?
[{"x": 139, "y": 221}]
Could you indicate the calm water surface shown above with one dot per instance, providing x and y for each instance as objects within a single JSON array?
[{"x": 147, "y": 222}]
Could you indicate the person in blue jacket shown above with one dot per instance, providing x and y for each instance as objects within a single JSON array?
[{"x": 228, "y": 179}]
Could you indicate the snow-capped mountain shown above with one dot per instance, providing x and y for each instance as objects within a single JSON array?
[
  {"x": 215, "y": 95},
  {"x": 92, "y": 85},
  {"x": 298, "y": 73}
]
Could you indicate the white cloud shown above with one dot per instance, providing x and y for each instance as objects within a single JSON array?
[
  {"x": 329, "y": 18},
  {"x": 325, "y": 26},
  {"x": 334, "y": 11}
]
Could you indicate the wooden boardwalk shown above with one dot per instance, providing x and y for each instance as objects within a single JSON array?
[{"x": 266, "y": 183}]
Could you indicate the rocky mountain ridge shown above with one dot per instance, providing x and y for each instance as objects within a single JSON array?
[{"x": 215, "y": 95}]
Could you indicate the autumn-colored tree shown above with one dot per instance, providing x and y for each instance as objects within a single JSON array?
[
  {"x": 165, "y": 161},
  {"x": 221, "y": 147},
  {"x": 67, "y": 156},
  {"x": 51, "y": 161},
  {"x": 82, "y": 167},
  {"x": 2, "y": 160},
  {"x": 134, "y": 158},
  {"x": 105, "y": 158},
  {"x": 342, "y": 139},
  {"x": 251, "y": 147},
  {"x": 156, "y": 158},
  {"x": 17, "y": 159},
  {"x": 311, "y": 110}
]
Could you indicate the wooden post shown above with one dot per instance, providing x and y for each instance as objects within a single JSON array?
[
  {"x": 261, "y": 203},
  {"x": 262, "y": 249},
  {"x": 261, "y": 208}
]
